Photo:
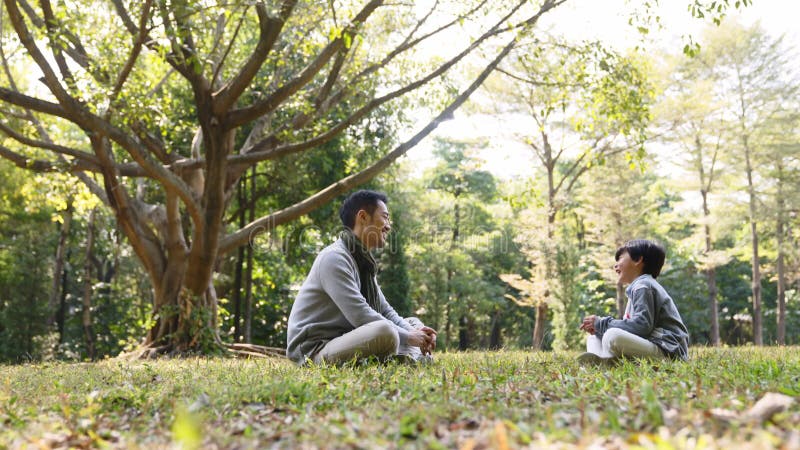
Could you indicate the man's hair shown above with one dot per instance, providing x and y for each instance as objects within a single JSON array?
[
  {"x": 651, "y": 253},
  {"x": 355, "y": 202}
]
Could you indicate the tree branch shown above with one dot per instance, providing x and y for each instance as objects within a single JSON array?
[
  {"x": 79, "y": 115},
  {"x": 269, "y": 30},
  {"x": 77, "y": 52},
  {"x": 248, "y": 232},
  {"x": 23, "y": 162},
  {"x": 25, "y": 37},
  {"x": 241, "y": 116},
  {"x": 408, "y": 43},
  {"x": 135, "y": 51},
  {"x": 14, "y": 97},
  {"x": 268, "y": 148},
  {"x": 55, "y": 47},
  {"x": 170, "y": 56},
  {"x": 84, "y": 178},
  {"x": 83, "y": 156}
]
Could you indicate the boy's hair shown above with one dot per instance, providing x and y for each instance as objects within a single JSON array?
[
  {"x": 355, "y": 202},
  {"x": 651, "y": 253}
]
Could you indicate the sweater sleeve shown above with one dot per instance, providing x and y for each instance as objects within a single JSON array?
[
  {"x": 403, "y": 327},
  {"x": 640, "y": 323},
  {"x": 338, "y": 279}
]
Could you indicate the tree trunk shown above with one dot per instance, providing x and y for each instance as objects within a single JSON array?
[
  {"x": 538, "y": 328},
  {"x": 711, "y": 274},
  {"x": 447, "y": 314},
  {"x": 59, "y": 274},
  {"x": 237, "y": 278},
  {"x": 496, "y": 335},
  {"x": 86, "y": 316},
  {"x": 621, "y": 300},
  {"x": 248, "y": 299},
  {"x": 61, "y": 310},
  {"x": 758, "y": 335},
  {"x": 463, "y": 333},
  {"x": 779, "y": 231}
]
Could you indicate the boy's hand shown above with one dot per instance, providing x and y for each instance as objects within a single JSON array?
[{"x": 588, "y": 324}]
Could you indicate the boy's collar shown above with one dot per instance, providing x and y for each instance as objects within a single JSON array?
[{"x": 644, "y": 275}]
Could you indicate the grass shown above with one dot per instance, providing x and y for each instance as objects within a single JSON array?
[{"x": 507, "y": 399}]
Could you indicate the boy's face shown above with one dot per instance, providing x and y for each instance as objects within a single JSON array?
[{"x": 627, "y": 269}]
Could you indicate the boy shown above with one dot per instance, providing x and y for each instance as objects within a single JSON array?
[{"x": 651, "y": 326}]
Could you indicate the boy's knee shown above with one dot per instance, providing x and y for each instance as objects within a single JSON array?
[{"x": 612, "y": 340}]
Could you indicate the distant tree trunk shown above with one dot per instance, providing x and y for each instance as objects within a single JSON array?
[
  {"x": 248, "y": 303},
  {"x": 86, "y": 316},
  {"x": 711, "y": 276},
  {"x": 59, "y": 274},
  {"x": 621, "y": 300},
  {"x": 463, "y": 333},
  {"x": 61, "y": 309},
  {"x": 539, "y": 324},
  {"x": 451, "y": 298},
  {"x": 237, "y": 278},
  {"x": 552, "y": 209},
  {"x": 758, "y": 335},
  {"x": 449, "y": 301},
  {"x": 496, "y": 335},
  {"x": 780, "y": 263}
]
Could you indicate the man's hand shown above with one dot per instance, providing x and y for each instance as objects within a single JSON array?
[
  {"x": 432, "y": 334},
  {"x": 424, "y": 338},
  {"x": 588, "y": 324}
]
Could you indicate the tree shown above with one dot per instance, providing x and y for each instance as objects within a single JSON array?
[
  {"x": 749, "y": 68},
  {"x": 457, "y": 175},
  {"x": 783, "y": 148},
  {"x": 692, "y": 119},
  {"x": 583, "y": 102},
  {"x": 188, "y": 96}
]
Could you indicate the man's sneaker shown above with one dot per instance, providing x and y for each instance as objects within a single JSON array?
[
  {"x": 591, "y": 359},
  {"x": 401, "y": 359},
  {"x": 411, "y": 360}
]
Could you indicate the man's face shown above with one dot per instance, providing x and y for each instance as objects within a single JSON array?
[{"x": 376, "y": 227}]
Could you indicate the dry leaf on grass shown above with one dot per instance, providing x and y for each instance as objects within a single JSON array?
[{"x": 770, "y": 404}]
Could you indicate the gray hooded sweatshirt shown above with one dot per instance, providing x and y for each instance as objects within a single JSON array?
[
  {"x": 650, "y": 314},
  {"x": 330, "y": 304}
]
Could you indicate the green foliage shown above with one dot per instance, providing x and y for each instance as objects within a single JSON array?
[
  {"x": 517, "y": 397},
  {"x": 393, "y": 277},
  {"x": 567, "y": 309},
  {"x": 27, "y": 232},
  {"x": 461, "y": 243}
]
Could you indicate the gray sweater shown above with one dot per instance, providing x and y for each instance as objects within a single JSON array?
[
  {"x": 330, "y": 304},
  {"x": 650, "y": 314}
]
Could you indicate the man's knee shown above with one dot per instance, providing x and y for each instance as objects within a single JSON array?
[
  {"x": 414, "y": 322},
  {"x": 385, "y": 337}
]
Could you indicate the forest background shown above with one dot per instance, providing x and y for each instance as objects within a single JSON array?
[{"x": 695, "y": 146}]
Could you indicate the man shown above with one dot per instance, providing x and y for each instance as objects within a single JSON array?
[{"x": 340, "y": 312}]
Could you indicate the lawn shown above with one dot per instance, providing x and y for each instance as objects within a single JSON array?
[{"x": 506, "y": 399}]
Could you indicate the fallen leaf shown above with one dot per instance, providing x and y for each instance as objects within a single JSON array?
[
  {"x": 724, "y": 414},
  {"x": 770, "y": 404}
]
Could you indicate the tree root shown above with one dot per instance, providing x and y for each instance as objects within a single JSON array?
[
  {"x": 237, "y": 350},
  {"x": 251, "y": 350}
]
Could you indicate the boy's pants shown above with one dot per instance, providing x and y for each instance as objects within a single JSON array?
[
  {"x": 618, "y": 342},
  {"x": 379, "y": 338}
]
